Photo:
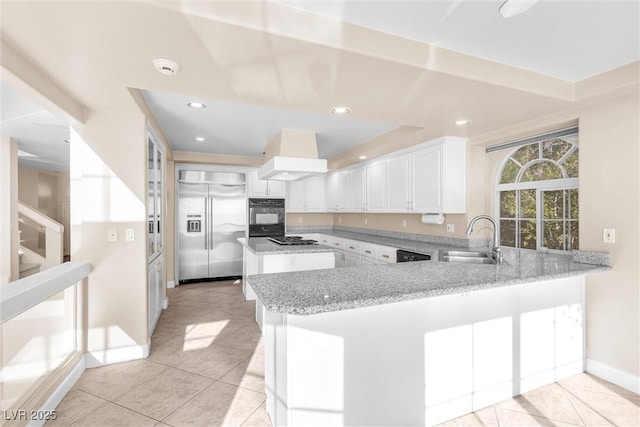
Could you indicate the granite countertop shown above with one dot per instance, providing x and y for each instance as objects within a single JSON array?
[
  {"x": 263, "y": 246},
  {"x": 406, "y": 244},
  {"x": 320, "y": 291}
]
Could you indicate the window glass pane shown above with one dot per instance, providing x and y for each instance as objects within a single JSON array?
[
  {"x": 528, "y": 203},
  {"x": 151, "y": 199},
  {"x": 553, "y": 204},
  {"x": 572, "y": 204},
  {"x": 508, "y": 232},
  {"x": 528, "y": 234},
  {"x": 507, "y": 204},
  {"x": 553, "y": 235},
  {"x": 527, "y": 153},
  {"x": 542, "y": 171},
  {"x": 573, "y": 235},
  {"x": 571, "y": 165},
  {"x": 554, "y": 149},
  {"x": 509, "y": 172}
]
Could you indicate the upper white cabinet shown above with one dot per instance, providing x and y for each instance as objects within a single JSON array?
[
  {"x": 306, "y": 195},
  {"x": 398, "y": 184},
  {"x": 429, "y": 178},
  {"x": 338, "y": 191},
  {"x": 376, "y": 186},
  {"x": 264, "y": 188},
  {"x": 357, "y": 185}
]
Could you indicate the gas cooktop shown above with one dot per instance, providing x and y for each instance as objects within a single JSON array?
[{"x": 292, "y": 240}]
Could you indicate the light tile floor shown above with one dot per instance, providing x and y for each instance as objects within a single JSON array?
[{"x": 206, "y": 369}]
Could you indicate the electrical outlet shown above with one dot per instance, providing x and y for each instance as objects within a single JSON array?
[
  {"x": 451, "y": 228},
  {"x": 112, "y": 235},
  {"x": 365, "y": 221},
  {"x": 609, "y": 235},
  {"x": 299, "y": 220},
  {"x": 339, "y": 220},
  {"x": 129, "y": 235},
  {"x": 404, "y": 222}
]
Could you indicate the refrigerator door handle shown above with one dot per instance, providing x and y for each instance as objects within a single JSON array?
[
  {"x": 206, "y": 225},
  {"x": 211, "y": 230}
]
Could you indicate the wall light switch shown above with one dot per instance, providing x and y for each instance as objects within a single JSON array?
[
  {"x": 365, "y": 221},
  {"x": 339, "y": 220},
  {"x": 129, "y": 235},
  {"x": 299, "y": 220},
  {"x": 609, "y": 235},
  {"x": 451, "y": 228},
  {"x": 112, "y": 235},
  {"x": 404, "y": 222}
]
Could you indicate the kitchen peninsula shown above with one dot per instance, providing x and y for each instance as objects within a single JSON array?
[{"x": 418, "y": 343}]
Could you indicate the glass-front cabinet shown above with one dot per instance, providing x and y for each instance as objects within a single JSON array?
[
  {"x": 154, "y": 199},
  {"x": 154, "y": 229}
]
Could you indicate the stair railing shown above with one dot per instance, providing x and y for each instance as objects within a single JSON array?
[{"x": 53, "y": 236}]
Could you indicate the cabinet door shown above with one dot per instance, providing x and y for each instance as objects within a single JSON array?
[
  {"x": 315, "y": 194},
  {"x": 343, "y": 198},
  {"x": 256, "y": 187},
  {"x": 276, "y": 188},
  {"x": 398, "y": 195},
  {"x": 296, "y": 200},
  {"x": 333, "y": 188},
  {"x": 376, "y": 188},
  {"x": 351, "y": 260},
  {"x": 357, "y": 184},
  {"x": 426, "y": 166}
]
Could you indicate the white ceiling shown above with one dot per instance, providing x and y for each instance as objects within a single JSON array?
[
  {"x": 262, "y": 66},
  {"x": 244, "y": 129},
  {"x": 37, "y": 132},
  {"x": 567, "y": 39}
]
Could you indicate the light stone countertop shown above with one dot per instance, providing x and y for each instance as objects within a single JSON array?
[
  {"x": 262, "y": 246},
  {"x": 320, "y": 291}
]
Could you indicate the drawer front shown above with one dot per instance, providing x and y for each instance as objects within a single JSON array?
[
  {"x": 352, "y": 246},
  {"x": 368, "y": 250},
  {"x": 386, "y": 254},
  {"x": 334, "y": 242},
  {"x": 324, "y": 240}
]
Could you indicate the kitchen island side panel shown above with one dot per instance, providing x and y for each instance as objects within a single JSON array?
[{"x": 424, "y": 361}]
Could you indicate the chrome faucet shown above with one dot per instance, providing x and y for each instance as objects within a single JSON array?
[{"x": 497, "y": 252}]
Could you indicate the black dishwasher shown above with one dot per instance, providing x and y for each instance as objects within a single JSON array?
[{"x": 407, "y": 256}]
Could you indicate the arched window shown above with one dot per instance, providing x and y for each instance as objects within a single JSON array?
[{"x": 537, "y": 195}]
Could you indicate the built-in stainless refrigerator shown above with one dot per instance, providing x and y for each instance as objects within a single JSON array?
[{"x": 211, "y": 217}]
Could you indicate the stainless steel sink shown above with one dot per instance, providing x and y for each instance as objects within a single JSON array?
[{"x": 467, "y": 257}]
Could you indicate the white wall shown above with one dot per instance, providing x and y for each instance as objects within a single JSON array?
[{"x": 108, "y": 192}]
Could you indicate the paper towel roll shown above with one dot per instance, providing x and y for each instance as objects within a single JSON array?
[{"x": 433, "y": 219}]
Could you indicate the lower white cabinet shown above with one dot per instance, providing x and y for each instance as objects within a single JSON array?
[
  {"x": 350, "y": 253},
  {"x": 155, "y": 292}
]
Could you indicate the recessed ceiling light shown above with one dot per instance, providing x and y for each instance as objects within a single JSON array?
[
  {"x": 462, "y": 122},
  {"x": 199, "y": 138},
  {"x": 196, "y": 105},
  {"x": 362, "y": 157},
  {"x": 168, "y": 67},
  {"x": 340, "y": 110}
]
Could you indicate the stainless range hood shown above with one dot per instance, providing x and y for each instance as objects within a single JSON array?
[{"x": 292, "y": 155}]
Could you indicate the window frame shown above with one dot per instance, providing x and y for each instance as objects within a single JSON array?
[{"x": 541, "y": 186}]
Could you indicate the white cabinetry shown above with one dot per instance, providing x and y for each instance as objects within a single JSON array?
[
  {"x": 429, "y": 178},
  {"x": 338, "y": 189},
  {"x": 306, "y": 195},
  {"x": 376, "y": 186},
  {"x": 351, "y": 253},
  {"x": 263, "y": 187},
  {"x": 398, "y": 183},
  {"x": 357, "y": 189}
]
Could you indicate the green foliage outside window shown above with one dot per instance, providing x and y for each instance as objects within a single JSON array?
[{"x": 531, "y": 213}]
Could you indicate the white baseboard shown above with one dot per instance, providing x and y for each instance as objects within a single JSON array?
[
  {"x": 165, "y": 303},
  {"x": 171, "y": 284},
  {"x": 613, "y": 375},
  {"x": 60, "y": 392},
  {"x": 116, "y": 355}
]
